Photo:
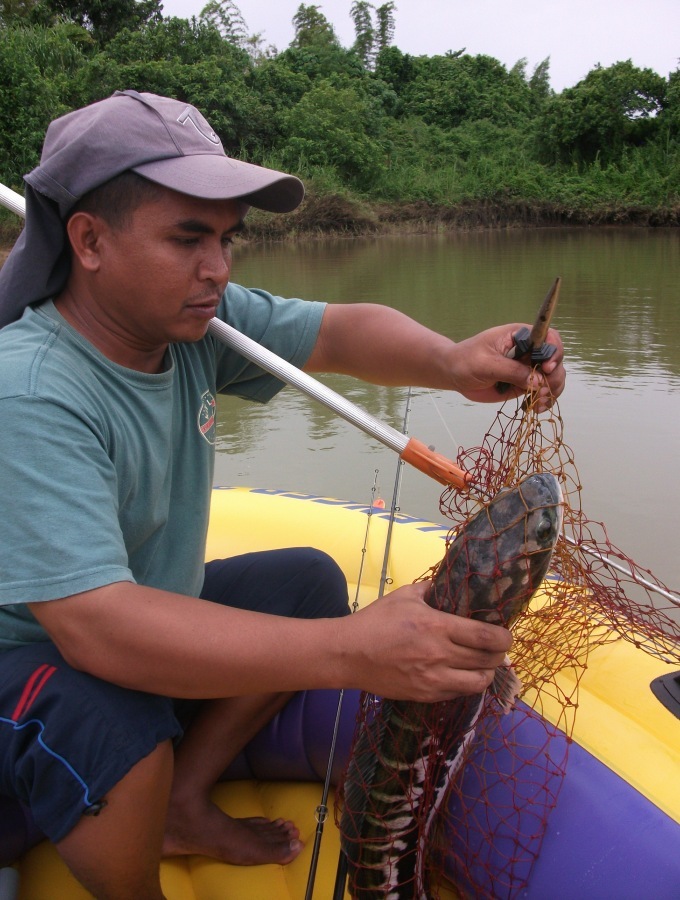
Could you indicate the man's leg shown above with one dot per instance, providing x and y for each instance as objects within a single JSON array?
[
  {"x": 195, "y": 825},
  {"x": 72, "y": 745},
  {"x": 116, "y": 855},
  {"x": 303, "y": 583}
]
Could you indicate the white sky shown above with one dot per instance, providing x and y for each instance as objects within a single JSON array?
[{"x": 575, "y": 34}]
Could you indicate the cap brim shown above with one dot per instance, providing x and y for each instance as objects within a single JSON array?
[{"x": 214, "y": 177}]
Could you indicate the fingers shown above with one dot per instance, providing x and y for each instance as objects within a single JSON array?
[
  {"x": 481, "y": 362},
  {"x": 419, "y": 653},
  {"x": 477, "y": 649},
  {"x": 479, "y": 640},
  {"x": 545, "y": 382}
]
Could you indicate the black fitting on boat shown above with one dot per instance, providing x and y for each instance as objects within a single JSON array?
[{"x": 666, "y": 689}]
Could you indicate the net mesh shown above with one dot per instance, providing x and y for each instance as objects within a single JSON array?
[{"x": 478, "y": 824}]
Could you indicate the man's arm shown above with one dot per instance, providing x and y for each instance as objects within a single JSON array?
[
  {"x": 383, "y": 346},
  {"x": 155, "y": 641}
]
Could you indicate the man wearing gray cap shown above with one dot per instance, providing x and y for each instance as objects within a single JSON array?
[{"x": 112, "y": 630}]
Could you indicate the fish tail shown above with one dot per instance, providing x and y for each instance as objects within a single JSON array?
[{"x": 506, "y": 685}]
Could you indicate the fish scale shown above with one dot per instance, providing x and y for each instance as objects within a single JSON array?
[{"x": 406, "y": 754}]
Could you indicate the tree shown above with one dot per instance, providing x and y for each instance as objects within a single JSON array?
[
  {"x": 105, "y": 18},
  {"x": 372, "y": 39},
  {"x": 312, "y": 28},
  {"x": 449, "y": 90},
  {"x": 225, "y": 16},
  {"x": 396, "y": 69},
  {"x": 610, "y": 109},
  {"x": 671, "y": 115},
  {"x": 360, "y": 12},
  {"x": 384, "y": 31},
  {"x": 16, "y": 9},
  {"x": 539, "y": 83},
  {"x": 331, "y": 126},
  {"x": 258, "y": 49},
  {"x": 38, "y": 69}
]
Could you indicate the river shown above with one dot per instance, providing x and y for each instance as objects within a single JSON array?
[{"x": 619, "y": 316}]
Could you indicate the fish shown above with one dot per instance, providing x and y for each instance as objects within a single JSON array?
[{"x": 406, "y": 754}]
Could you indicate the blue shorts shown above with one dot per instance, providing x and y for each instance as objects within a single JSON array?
[{"x": 66, "y": 738}]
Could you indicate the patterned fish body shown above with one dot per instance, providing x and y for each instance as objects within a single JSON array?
[{"x": 406, "y": 753}]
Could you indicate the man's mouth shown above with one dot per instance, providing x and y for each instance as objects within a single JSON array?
[{"x": 206, "y": 306}]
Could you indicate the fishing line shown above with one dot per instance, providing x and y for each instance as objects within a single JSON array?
[{"x": 433, "y": 399}]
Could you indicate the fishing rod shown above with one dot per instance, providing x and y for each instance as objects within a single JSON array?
[
  {"x": 410, "y": 450},
  {"x": 321, "y": 812},
  {"x": 394, "y": 508},
  {"x": 635, "y": 578}
]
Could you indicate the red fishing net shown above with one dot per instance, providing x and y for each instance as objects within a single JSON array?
[{"x": 414, "y": 822}]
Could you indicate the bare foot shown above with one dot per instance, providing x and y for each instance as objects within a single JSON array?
[{"x": 207, "y": 831}]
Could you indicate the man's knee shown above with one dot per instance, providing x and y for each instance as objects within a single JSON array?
[
  {"x": 298, "y": 582},
  {"x": 327, "y": 585}
]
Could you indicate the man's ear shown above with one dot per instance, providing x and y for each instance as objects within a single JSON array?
[{"x": 84, "y": 232}]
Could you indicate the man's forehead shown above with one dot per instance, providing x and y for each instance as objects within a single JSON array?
[
  {"x": 175, "y": 210},
  {"x": 200, "y": 226}
]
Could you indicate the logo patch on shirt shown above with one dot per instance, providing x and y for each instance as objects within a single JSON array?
[{"x": 206, "y": 417}]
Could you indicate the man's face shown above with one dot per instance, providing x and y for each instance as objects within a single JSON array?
[{"x": 161, "y": 276}]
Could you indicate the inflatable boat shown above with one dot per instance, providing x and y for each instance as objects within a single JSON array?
[{"x": 614, "y": 832}]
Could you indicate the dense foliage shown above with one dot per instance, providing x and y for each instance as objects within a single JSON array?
[{"x": 366, "y": 122}]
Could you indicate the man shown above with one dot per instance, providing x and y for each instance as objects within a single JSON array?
[{"x": 106, "y": 612}]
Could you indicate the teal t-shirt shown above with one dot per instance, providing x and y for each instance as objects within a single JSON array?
[{"x": 106, "y": 472}]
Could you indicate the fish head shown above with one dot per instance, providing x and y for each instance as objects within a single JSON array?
[
  {"x": 535, "y": 502},
  {"x": 525, "y": 522},
  {"x": 500, "y": 556}
]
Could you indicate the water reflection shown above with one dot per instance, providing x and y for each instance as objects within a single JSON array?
[
  {"x": 619, "y": 310},
  {"x": 620, "y": 319}
]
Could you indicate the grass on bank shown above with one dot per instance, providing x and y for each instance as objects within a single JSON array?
[{"x": 503, "y": 189}]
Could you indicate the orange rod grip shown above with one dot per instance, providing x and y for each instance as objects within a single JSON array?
[{"x": 435, "y": 465}]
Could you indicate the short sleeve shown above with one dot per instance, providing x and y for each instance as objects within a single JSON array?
[
  {"x": 61, "y": 536},
  {"x": 288, "y": 327}
]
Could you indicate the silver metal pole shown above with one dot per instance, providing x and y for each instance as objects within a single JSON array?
[
  {"x": 282, "y": 369},
  {"x": 13, "y": 201},
  {"x": 9, "y": 884}
]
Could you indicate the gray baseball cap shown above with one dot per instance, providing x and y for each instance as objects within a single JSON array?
[{"x": 165, "y": 140}]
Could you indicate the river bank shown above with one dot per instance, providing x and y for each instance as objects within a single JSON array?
[
  {"x": 335, "y": 214},
  {"x": 331, "y": 215}
]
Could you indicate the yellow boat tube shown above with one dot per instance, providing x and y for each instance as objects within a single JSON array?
[{"x": 621, "y": 798}]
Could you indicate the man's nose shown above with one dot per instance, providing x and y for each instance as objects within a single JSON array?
[{"x": 216, "y": 264}]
